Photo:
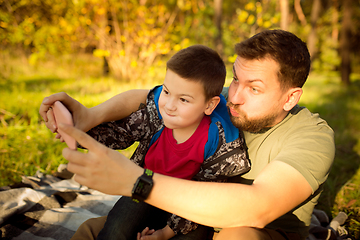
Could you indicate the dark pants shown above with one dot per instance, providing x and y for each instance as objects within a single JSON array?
[{"x": 127, "y": 218}]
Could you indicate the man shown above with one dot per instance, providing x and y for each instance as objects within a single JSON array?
[{"x": 290, "y": 148}]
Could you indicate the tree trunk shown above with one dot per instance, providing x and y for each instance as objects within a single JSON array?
[
  {"x": 334, "y": 21},
  {"x": 300, "y": 12},
  {"x": 103, "y": 23},
  {"x": 218, "y": 16},
  {"x": 284, "y": 8},
  {"x": 312, "y": 39},
  {"x": 345, "y": 36}
]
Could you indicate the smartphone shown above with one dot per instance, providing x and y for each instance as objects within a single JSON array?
[{"x": 62, "y": 115}]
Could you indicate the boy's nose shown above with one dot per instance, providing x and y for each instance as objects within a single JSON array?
[{"x": 170, "y": 105}]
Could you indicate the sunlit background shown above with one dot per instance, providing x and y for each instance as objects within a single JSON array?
[{"x": 94, "y": 49}]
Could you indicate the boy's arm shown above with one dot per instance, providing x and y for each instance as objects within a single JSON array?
[
  {"x": 123, "y": 133},
  {"x": 120, "y": 106},
  {"x": 117, "y": 107},
  {"x": 140, "y": 125}
]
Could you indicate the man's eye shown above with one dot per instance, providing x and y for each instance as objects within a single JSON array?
[{"x": 255, "y": 90}]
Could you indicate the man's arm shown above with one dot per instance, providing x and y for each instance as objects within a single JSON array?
[
  {"x": 278, "y": 188},
  {"x": 117, "y": 107}
]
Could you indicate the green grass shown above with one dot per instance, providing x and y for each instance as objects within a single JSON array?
[
  {"x": 340, "y": 107},
  {"x": 27, "y": 146}
]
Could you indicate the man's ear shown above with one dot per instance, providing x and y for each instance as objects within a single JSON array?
[
  {"x": 293, "y": 97},
  {"x": 211, "y": 105}
]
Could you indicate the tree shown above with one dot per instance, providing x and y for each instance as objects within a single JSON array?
[
  {"x": 335, "y": 20},
  {"x": 284, "y": 8},
  {"x": 300, "y": 12},
  {"x": 345, "y": 40},
  {"x": 131, "y": 34},
  {"x": 218, "y": 20},
  {"x": 312, "y": 39}
]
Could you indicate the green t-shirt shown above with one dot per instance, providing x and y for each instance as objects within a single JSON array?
[{"x": 304, "y": 141}]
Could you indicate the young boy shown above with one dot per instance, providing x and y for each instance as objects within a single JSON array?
[{"x": 184, "y": 132}]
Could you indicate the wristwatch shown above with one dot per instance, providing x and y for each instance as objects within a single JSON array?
[{"x": 142, "y": 186}]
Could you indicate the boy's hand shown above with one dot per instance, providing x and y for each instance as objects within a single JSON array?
[
  {"x": 145, "y": 232},
  {"x": 161, "y": 234},
  {"x": 81, "y": 114}
]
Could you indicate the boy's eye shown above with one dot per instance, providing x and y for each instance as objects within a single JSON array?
[
  {"x": 183, "y": 100},
  {"x": 165, "y": 92},
  {"x": 235, "y": 79}
]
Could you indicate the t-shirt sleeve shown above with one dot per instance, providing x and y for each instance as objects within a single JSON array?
[{"x": 311, "y": 151}]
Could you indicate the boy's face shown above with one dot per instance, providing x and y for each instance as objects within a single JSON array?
[
  {"x": 182, "y": 102},
  {"x": 256, "y": 100}
]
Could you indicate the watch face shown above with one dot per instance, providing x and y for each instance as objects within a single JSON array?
[{"x": 142, "y": 188}]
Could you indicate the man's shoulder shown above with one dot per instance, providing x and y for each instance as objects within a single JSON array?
[
  {"x": 298, "y": 125},
  {"x": 303, "y": 118}
]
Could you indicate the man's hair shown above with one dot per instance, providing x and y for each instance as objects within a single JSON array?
[
  {"x": 199, "y": 63},
  {"x": 289, "y": 51}
]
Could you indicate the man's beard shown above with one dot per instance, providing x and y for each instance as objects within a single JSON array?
[{"x": 254, "y": 125}]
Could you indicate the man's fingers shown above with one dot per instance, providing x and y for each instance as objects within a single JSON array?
[{"x": 81, "y": 137}]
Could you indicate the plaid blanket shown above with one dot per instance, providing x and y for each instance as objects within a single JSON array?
[{"x": 46, "y": 207}]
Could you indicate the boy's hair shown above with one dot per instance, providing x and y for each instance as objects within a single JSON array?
[
  {"x": 202, "y": 64},
  {"x": 289, "y": 51}
]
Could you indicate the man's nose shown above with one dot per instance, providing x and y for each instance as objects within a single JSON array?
[{"x": 238, "y": 97}]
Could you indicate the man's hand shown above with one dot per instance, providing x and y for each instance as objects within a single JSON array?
[
  {"x": 161, "y": 234},
  {"x": 100, "y": 168}
]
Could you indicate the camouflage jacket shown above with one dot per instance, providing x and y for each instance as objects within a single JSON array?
[{"x": 225, "y": 156}]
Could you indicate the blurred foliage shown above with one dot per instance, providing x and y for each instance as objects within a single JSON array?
[
  {"x": 130, "y": 36},
  {"x": 246, "y": 20},
  {"x": 70, "y": 45}
]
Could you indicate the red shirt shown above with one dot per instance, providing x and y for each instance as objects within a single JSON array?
[{"x": 182, "y": 160}]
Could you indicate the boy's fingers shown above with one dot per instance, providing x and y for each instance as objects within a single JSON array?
[
  {"x": 49, "y": 101},
  {"x": 81, "y": 137},
  {"x": 145, "y": 231},
  {"x": 44, "y": 107},
  {"x": 51, "y": 122}
]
